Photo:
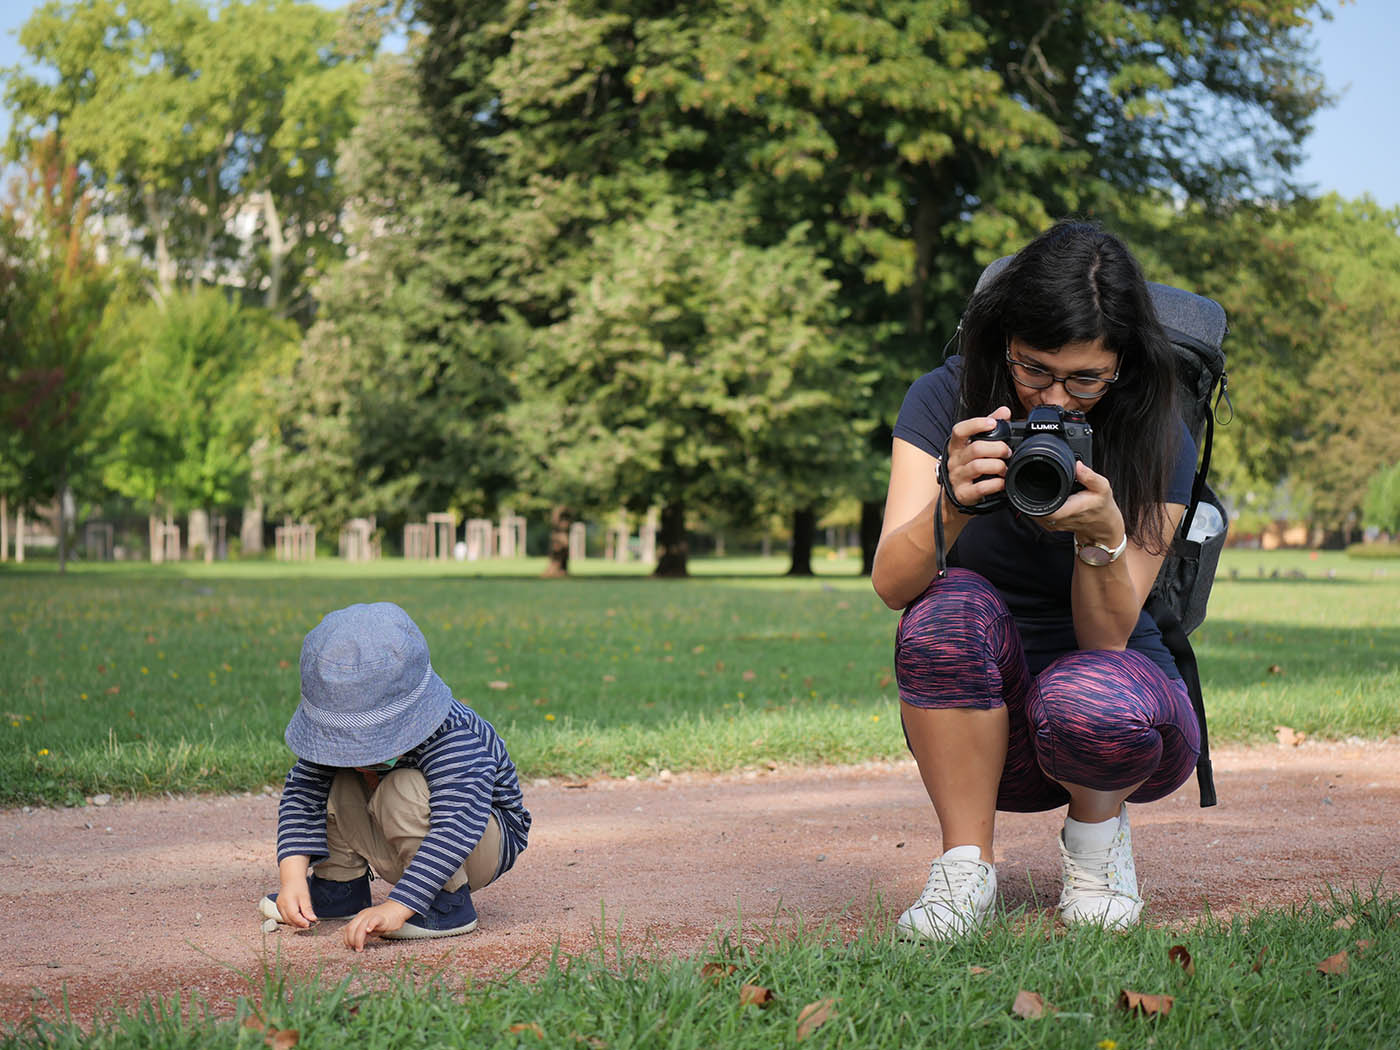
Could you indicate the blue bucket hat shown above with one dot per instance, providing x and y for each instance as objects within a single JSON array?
[{"x": 368, "y": 691}]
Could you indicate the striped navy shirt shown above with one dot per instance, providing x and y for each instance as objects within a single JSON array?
[{"x": 469, "y": 775}]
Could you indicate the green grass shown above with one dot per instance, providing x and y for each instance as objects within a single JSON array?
[
  {"x": 1256, "y": 984},
  {"x": 137, "y": 680}
]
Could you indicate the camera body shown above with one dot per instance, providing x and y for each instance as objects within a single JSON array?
[{"x": 1045, "y": 446}]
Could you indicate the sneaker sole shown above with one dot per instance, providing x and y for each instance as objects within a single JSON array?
[{"x": 409, "y": 932}]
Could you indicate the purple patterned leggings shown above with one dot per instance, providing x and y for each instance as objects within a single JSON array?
[{"x": 1102, "y": 719}]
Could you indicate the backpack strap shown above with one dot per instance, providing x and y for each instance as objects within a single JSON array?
[{"x": 1180, "y": 648}]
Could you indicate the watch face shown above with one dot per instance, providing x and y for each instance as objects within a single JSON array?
[{"x": 1093, "y": 554}]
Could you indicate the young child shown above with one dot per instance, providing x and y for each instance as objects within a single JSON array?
[{"x": 393, "y": 775}]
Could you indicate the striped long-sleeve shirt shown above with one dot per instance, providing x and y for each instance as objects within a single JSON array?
[{"x": 469, "y": 774}]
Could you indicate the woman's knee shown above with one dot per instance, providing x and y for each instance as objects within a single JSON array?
[
  {"x": 956, "y": 645},
  {"x": 1099, "y": 719}
]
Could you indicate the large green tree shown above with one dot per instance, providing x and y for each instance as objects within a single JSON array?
[
  {"x": 52, "y": 353},
  {"x": 192, "y": 392},
  {"x": 211, "y": 131}
]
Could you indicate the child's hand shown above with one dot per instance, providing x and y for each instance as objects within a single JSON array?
[
  {"x": 382, "y": 918},
  {"x": 293, "y": 893},
  {"x": 294, "y": 903}
]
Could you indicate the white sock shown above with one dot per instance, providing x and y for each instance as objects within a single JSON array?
[
  {"x": 963, "y": 853},
  {"x": 1081, "y": 837}
]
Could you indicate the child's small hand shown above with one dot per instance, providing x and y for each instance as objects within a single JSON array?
[
  {"x": 382, "y": 918},
  {"x": 294, "y": 904}
]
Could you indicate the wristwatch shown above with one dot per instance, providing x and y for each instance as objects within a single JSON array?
[{"x": 1097, "y": 554}]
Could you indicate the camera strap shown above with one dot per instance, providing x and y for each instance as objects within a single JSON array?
[{"x": 945, "y": 490}]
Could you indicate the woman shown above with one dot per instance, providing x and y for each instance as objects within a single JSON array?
[{"x": 1029, "y": 675}]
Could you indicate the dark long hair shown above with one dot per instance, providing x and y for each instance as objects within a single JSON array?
[{"x": 1077, "y": 283}]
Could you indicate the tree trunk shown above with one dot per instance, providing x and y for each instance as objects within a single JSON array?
[
  {"x": 560, "y": 519},
  {"x": 872, "y": 516},
  {"x": 673, "y": 550},
  {"x": 804, "y": 528},
  {"x": 4, "y": 528},
  {"x": 19, "y": 535},
  {"x": 63, "y": 525}
]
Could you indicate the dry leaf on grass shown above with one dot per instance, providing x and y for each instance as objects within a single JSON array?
[
  {"x": 977, "y": 970},
  {"x": 1145, "y": 1004},
  {"x": 1177, "y": 953},
  {"x": 527, "y": 1026},
  {"x": 1259, "y": 960},
  {"x": 1334, "y": 964},
  {"x": 282, "y": 1038},
  {"x": 717, "y": 971},
  {"x": 813, "y": 1016},
  {"x": 755, "y": 994},
  {"x": 1288, "y": 737},
  {"x": 1346, "y": 922},
  {"x": 1029, "y": 1005},
  {"x": 497, "y": 684},
  {"x": 1362, "y": 946}
]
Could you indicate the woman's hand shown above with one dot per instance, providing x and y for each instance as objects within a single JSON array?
[
  {"x": 976, "y": 468},
  {"x": 1092, "y": 513}
]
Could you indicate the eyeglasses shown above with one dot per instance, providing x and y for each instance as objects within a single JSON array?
[{"x": 1086, "y": 388}]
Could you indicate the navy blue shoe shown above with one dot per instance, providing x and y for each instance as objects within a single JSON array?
[
  {"x": 451, "y": 914},
  {"x": 329, "y": 899}
]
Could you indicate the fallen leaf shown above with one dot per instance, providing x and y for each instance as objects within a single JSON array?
[
  {"x": 1029, "y": 1005},
  {"x": 1362, "y": 946},
  {"x": 254, "y": 1022},
  {"x": 283, "y": 664},
  {"x": 498, "y": 684},
  {"x": 1177, "y": 953},
  {"x": 150, "y": 639},
  {"x": 755, "y": 994},
  {"x": 113, "y": 690},
  {"x": 978, "y": 970},
  {"x": 1288, "y": 737},
  {"x": 1275, "y": 669},
  {"x": 1145, "y": 1004},
  {"x": 282, "y": 1038},
  {"x": 522, "y": 1026},
  {"x": 610, "y": 678},
  {"x": 813, "y": 1016},
  {"x": 717, "y": 971},
  {"x": 1346, "y": 922},
  {"x": 748, "y": 676},
  {"x": 1259, "y": 960},
  {"x": 1334, "y": 964},
  {"x": 885, "y": 680}
]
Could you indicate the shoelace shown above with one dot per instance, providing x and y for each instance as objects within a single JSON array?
[
  {"x": 1095, "y": 875},
  {"x": 957, "y": 877}
]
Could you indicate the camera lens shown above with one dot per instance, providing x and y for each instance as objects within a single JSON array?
[{"x": 1040, "y": 475}]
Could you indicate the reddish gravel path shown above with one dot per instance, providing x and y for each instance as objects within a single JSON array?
[{"x": 132, "y": 899}]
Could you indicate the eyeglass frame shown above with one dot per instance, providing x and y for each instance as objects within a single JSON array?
[{"x": 1062, "y": 380}]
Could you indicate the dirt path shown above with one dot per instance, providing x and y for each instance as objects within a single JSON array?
[{"x": 118, "y": 902}]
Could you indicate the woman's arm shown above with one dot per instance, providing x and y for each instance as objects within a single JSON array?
[
  {"x": 1106, "y": 600},
  {"x": 905, "y": 560}
]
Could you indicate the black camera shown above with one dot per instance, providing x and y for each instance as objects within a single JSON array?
[{"x": 1044, "y": 449}]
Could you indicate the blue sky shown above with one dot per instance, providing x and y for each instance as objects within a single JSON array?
[{"x": 1354, "y": 148}]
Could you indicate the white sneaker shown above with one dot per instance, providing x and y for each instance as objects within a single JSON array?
[
  {"x": 1101, "y": 885},
  {"x": 960, "y": 891}
]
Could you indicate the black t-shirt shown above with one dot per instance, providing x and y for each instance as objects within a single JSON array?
[{"x": 1029, "y": 567}]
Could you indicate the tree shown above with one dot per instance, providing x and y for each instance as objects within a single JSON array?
[
  {"x": 693, "y": 370},
  {"x": 191, "y": 396},
  {"x": 394, "y": 407},
  {"x": 52, "y": 354},
  {"x": 1381, "y": 507},
  {"x": 210, "y": 133}
]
